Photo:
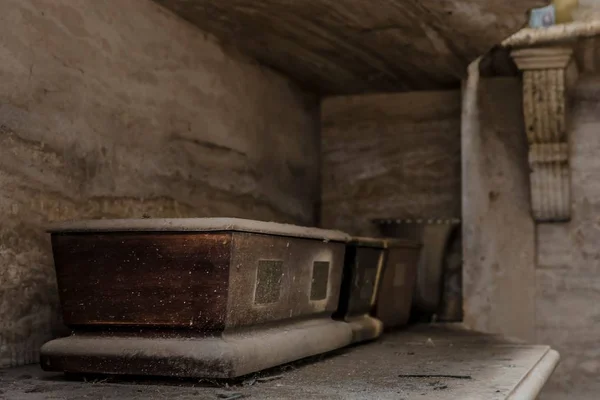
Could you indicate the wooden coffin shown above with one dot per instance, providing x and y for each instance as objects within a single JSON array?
[
  {"x": 435, "y": 235},
  {"x": 398, "y": 281},
  {"x": 204, "y": 297},
  {"x": 363, "y": 266}
]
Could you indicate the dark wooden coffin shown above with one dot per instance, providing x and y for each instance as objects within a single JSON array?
[
  {"x": 434, "y": 234},
  {"x": 398, "y": 280},
  {"x": 363, "y": 266},
  {"x": 205, "y": 297}
]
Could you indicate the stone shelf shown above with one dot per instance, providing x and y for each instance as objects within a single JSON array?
[
  {"x": 425, "y": 362},
  {"x": 552, "y": 35}
]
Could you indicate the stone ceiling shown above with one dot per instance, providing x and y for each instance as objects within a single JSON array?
[{"x": 358, "y": 46}]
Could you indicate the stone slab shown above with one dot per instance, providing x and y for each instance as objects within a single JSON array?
[{"x": 424, "y": 362}]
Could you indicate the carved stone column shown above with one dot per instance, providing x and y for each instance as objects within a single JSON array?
[{"x": 548, "y": 72}]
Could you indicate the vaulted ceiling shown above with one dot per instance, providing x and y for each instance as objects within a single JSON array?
[{"x": 357, "y": 46}]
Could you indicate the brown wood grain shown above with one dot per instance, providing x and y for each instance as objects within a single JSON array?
[{"x": 132, "y": 279}]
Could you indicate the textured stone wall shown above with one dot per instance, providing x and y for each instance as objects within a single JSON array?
[
  {"x": 121, "y": 111},
  {"x": 498, "y": 231},
  {"x": 390, "y": 156},
  {"x": 357, "y": 46},
  {"x": 567, "y": 274},
  {"x": 542, "y": 285}
]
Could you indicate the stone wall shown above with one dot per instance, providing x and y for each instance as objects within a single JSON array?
[
  {"x": 498, "y": 231},
  {"x": 110, "y": 111},
  {"x": 390, "y": 156},
  {"x": 537, "y": 282},
  {"x": 567, "y": 274}
]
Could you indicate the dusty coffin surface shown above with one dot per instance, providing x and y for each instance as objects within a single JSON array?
[
  {"x": 205, "y": 297},
  {"x": 353, "y": 46},
  {"x": 423, "y": 362},
  {"x": 197, "y": 225}
]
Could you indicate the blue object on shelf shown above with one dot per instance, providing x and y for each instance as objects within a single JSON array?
[{"x": 542, "y": 17}]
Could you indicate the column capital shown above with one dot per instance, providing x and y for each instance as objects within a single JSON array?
[{"x": 544, "y": 57}]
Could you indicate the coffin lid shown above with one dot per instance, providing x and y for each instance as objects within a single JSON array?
[
  {"x": 197, "y": 225},
  {"x": 383, "y": 243}
]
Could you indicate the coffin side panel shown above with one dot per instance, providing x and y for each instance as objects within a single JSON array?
[
  {"x": 121, "y": 279},
  {"x": 276, "y": 278}
]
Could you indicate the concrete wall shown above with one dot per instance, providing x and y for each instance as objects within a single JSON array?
[
  {"x": 568, "y": 270},
  {"x": 121, "y": 111},
  {"x": 498, "y": 231},
  {"x": 390, "y": 156}
]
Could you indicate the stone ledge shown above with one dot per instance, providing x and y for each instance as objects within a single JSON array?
[{"x": 529, "y": 37}]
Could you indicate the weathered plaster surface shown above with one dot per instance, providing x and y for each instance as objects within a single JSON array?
[
  {"x": 390, "y": 156},
  {"x": 123, "y": 111},
  {"x": 498, "y": 231},
  {"x": 567, "y": 278},
  {"x": 498, "y": 242},
  {"x": 357, "y": 46}
]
